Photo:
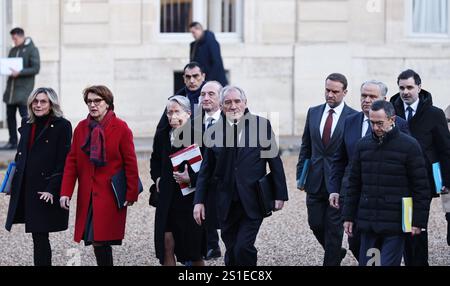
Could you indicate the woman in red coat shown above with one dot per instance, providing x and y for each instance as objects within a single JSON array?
[{"x": 102, "y": 146}]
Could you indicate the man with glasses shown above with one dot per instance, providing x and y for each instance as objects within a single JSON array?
[
  {"x": 356, "y": 126},
  {"x": 428, "y": 125},
  {"x": 387, "y": 167}
]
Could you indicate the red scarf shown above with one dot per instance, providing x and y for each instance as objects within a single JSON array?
[{"x": 94, "y": 146}]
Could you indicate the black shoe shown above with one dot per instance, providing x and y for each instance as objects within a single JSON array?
[
  {"x": 9, "y": 146},
  {"x": 213, "y": 253}
]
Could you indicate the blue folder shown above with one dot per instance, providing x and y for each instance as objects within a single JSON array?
[
  {"x": 7, "y": 180},
  {"x": 437, "y": 177},
  {"x": 301, "y": 182}
]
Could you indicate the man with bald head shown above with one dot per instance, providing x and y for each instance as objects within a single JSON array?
[{"x": 356, "y": 126}]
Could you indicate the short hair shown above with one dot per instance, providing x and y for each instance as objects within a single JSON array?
[
  {"x": 214, "y": 82},
  {"x": 55, "y": 106},
  {"x": 101, "y": 91},
  {"x": 183, "y": 101},
  {"x": 385, "y": 105},
  {"x": 383, "y": 88},
  {"x": 339, "y": 78},
  {"x": 195, "y": 24},
  {"x": 229, "y": 88},
  {"x": 409, "y": 73},
  {"x": 193, "y": 65},
  {"x": 17, "y": 31}
]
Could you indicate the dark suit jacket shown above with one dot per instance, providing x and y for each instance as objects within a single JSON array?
[
  {"x": 341, "y": 160},
  {"x": 429, "y": 127},
  {"x": 312, "y": 148},
  {"x": 206, "y": 52},
  {"x": 248, "y": 168}
]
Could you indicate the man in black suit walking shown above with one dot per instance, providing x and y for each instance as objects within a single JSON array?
[
  {"x": 210, "y": 103},
  {"x": 356, "y": 126},
  {"x": 249, "y": 146},
  {"x": 322, "y": 136},
  {"x": 428, "y": 125}
]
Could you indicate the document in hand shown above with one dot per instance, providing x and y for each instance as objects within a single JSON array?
[
  {"x": 6, "y": 64},
  {"x": 407, "y": 210},
  {"x": 193, "y": 156},
  {"x": 301, "y": 182},
  {"x": 7, "y": 180},
  {"x": 437, "y": 177},
  {"x": 119, "y": 187}
]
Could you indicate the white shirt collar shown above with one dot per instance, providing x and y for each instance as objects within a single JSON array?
[
  {"x": 337, "y": 110},
  {"x": 413, "y": 106},
  {"x": 215, "y": 116}
]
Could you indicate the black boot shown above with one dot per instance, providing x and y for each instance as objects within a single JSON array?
[
  {"x": 104, "y": 256},
  {"x": 42, "y": 250}
]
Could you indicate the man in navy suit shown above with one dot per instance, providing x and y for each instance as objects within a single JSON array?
[
  {"x": 242, "y": 147},
  {"x": 356, "y": 126},
  {"x": 322, "y": 135}
]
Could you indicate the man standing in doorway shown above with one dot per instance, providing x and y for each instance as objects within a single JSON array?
[{"x": 206, "y": 51}]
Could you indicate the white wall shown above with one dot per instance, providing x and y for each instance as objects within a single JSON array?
[{"x": 288, "y": 47}]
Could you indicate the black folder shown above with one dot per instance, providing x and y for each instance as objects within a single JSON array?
[
  {"x": 119, "y": 186},
  {"x": 266, "y": 194}
]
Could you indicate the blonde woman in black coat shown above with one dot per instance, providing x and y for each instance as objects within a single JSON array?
[{"x": 44, "y": 143}]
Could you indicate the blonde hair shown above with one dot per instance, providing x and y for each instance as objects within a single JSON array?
[{"x": 55, "y": 107}]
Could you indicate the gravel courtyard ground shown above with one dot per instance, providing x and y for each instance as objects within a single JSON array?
[{"x": 284, "y": 239}]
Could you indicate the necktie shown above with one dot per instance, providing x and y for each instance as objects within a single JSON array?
[
  {"x": 369, "y": 128},
  {"x": 209, "y": 122},
  {"x": 326, "y": 135},
  {"x": 410, "y": 113}
]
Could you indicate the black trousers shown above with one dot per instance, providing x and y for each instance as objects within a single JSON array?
[
  {"x": 239, "y": 233},
  {"x": 41, "y": 249},
  {"x": 326, "y": 224},
  {"x": 354, "y": 242},
  {"x": 416, "y": 250},
  {"x": 11, "y": 119},
  {"x": 213, "y": 236}
]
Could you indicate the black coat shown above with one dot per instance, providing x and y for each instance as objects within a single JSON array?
[
  {"x": 40, "y": 170},
  {"x": 382, "y": 173},
  {"x": 161, "y": 167},
  {"x": 248, "y": 168},
  {"x": 206, "y": 52},
  {"x": 211, "y": 201},
  {"x": 429, "y": 127}
]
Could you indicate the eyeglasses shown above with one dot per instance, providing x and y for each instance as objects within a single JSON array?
[
  {"x": 95, "y": 101},
  {"x": 37, "y": 102}
]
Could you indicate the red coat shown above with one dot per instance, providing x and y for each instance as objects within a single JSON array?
[{"x": 109, "y": 221}]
